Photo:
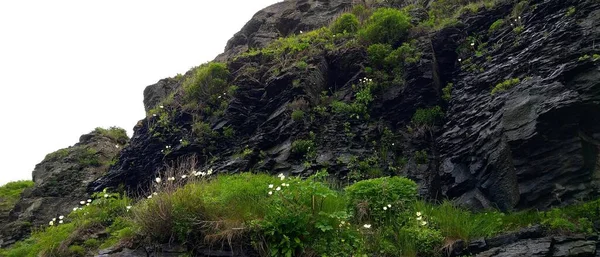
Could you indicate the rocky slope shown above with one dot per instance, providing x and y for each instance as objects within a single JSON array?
[
  {"x": 533, "y": 146},
  {"x": 61, "y": 181}
]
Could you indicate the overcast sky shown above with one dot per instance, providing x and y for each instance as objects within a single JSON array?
[{"x": 67, "y": 67}]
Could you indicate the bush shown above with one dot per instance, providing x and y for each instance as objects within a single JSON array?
[
  {"x": 507, "y": 84},
  {"x": 428, "y": 117},
  {"x": 387, "y": 26},
  {"x": 447, "y": 92},
  {"x": 11, "y": 192},
  {"x": 378, "y": 53},
  {"x": 367, "y": 199},
  {"x": 346, "y": 23},
  {"x": 303, "y": 147},
  {"x": 207, "y": 82},
  {"x": 297, "y": 115},
  {"x": 496, "y": 25},
  {"x": 115, "y": 133}
]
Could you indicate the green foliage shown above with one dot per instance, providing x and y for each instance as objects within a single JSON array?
[
  {"x": 378, "y": 54},
  {"x": 367, "y": 199},
  {"x": 57, "y": 155},
  {"x": 570, "y": 11},
  {"x": 87, "y": 157},
  {"x": 304, "y": 147},
  {"x": 496, "y": 25},
  {"x": 443, "y": 13},
  {"x": 228, "y": 132},
  {"x": 115, "y": 133},
  {"x": 359, "y": 107},
  {"x": 428, "y": 117},
  {"x": 346, "y": 23},
  {"x": 421, "y": 157},
  {"x": 11, "y": 192},
  {"x": 59, "y": 239},
  {"x": 447, "y": 92},
  {"x": 386, "y": 26},
  {"x": 505, "y": 85},
  {"x": 203, "y": 132},
  {"x": 302, "y": 65},
  {"x": 207, "y": 83},
  {"x": 518, "y": 29},
  {"x": 297, "y": 115}
]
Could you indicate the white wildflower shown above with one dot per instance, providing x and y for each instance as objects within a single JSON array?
[
  {"x": 51, "y": 223},
  {"x": 418, "y": 213},
  {"x": 117, "y": 146},
  {"x": 75, "y": 209},
  {"x": 209, "y": 172},
  {"x": 367, "y": 225},
  {"x": 472, "y": 43},
  {"x": 87, "y": 204},
  {"x": 82, "y": 202},
  {"x": 184, "y": 176},
  {"x": 419, "y": 218},
  {"x": 161, "y": 107},
  {"x": 53, "y": 219},
  {"x": 105, "y": 195},
  {"x": 89, "y": 200},
  {"x": 61, "y": 217},
  {"x": 278, "y": 188},
  {"x": 271, "y": 186},
  {"x": 154, "y": 115},
  {"x": 128, "y": 207},
  {"x": 424, "y": 223},
  {"x": 150, "y": 197},
  {"x": 60, "y": 222},
  {"x": 385, "y": 208},
  {"x": 270, "y": 192},
  {"x": 171, "y": 179},
  {"x": 389, "y": 206},
  {"x": 158, "y": 180},
  {"x": 155, "y": 193}
]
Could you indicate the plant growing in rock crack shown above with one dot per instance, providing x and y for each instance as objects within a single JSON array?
[{"x": 505, "y": 85}]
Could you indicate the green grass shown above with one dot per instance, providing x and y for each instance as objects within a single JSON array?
[
  {"x": 11, "y": 192},
  {"x": 103, "y": 214},
  {"x": 115, "y": 133},
  {"x": 288, "y": 216},
  {"x": 505, "y": 85}
]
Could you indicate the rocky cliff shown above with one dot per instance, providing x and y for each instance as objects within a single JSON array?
[
  {"x": 61, "y": 181},
  {"x": 519, "y": 83}
]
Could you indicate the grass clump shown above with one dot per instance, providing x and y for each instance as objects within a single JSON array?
[
  {"x": 207, "y": 83},
  {"x": 11, "y": 192},
  {"x": 297, "y": 115},
  {"x": 346, "y": 23},
  {"x": 115, "y": 133},
  {"x": 386, "y": 26},
  {"x": 496, "y": 25},
  {"x": 106, "y": 212},
  {"x": 427, "y": 117},
  {"x": 505, "y": 85}
]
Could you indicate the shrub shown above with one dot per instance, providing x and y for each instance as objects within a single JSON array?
[
  {"x": 378, "y": 53},
  {"x": 387, "y": 26},
  {"x": 297, "y": 115},
  {"x": 427, "y": 117},
  {"x": 570, "y": 11},
  {"x": 346, "y": 23},
  {"x": 447, "y": 92},
  {"x": 367, "y": 198},
  {"x": 11, "y": 192},
  {"x": 115, "y": 133},
  {"x": 303, "y": 147},
  {"x": 421, "y": 157},
  {"x": 505, "y": 85},
  {"x": 56, "y": 155},
  {"x": 207, "y": 81},
  {"x": 496, "y": 25}
]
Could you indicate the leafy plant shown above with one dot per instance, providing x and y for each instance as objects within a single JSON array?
[
  {"x": 505, "y": 85},
  {"x": 115, "y": 133},
  {"x": 496, "y": 25},
  {"x": 297, "y": 115},
  {"x": 387, "y": 26},
  {"x": 346, "y": 23},
  {"x": 427, "y": 117},
  {"x": 447, "y": 92}
]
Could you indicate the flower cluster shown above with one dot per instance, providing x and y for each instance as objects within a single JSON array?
[
  {"x": 365, "y": 80},
  {"x": 271, "y": 186},
  {"x": 389, "y": 206},
  {"x": 421, "y": 219},
  {"x": 60, "y": 220},
  {"x": 201, "y": 173}
]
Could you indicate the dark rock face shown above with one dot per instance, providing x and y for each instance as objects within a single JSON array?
[
  {"x": 60, "y": 184},
  {"x": 283, "y": 19},
  {"x": 154, "y": 94},
  {"x": 535, "y": 145}
]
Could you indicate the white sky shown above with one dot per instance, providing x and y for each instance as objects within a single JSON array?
[{"x": 67, "y": 67}]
